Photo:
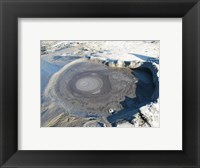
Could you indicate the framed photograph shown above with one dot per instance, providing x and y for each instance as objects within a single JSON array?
[{"x": 100, "y": 83}]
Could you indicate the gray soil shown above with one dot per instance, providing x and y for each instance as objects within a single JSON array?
[{"x": 87, "y": 88}]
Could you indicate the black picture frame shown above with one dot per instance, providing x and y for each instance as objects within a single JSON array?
[{"x": 11, "y": 10}]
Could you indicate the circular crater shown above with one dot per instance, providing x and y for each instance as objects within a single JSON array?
[
  {"x": 88, "y": 88},
  {"x": 89, "y": 84}
]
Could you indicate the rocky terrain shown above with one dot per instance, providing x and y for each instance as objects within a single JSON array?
[{"x": 100, "y": 83}]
